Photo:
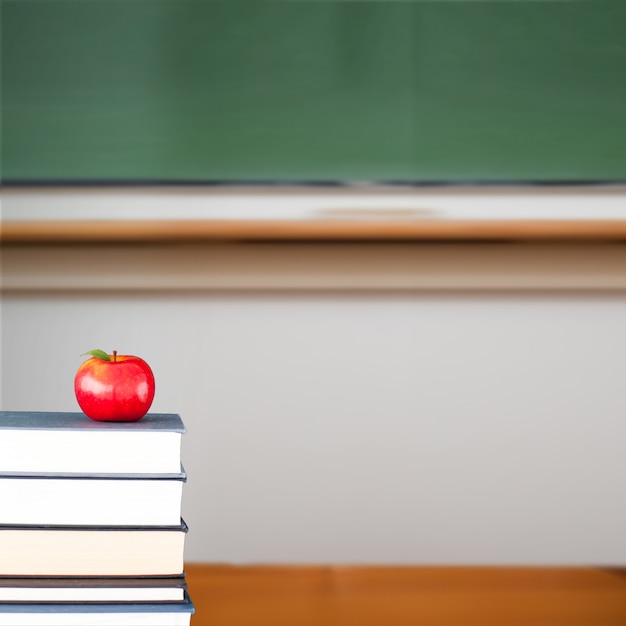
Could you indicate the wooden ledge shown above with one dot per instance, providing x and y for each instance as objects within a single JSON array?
[
  {"x": 110, "y": 231},
  {"x": 207, "y": 214}
]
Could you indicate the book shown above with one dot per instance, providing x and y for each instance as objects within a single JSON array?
[
  {"x": 86, "y": 589},
  {"x": 98, "y": 499},
  {"x": 92, "y": 551},
  {"x": 76, "y": 614},
  {"x": 33, "y": 442},
  {"x": 91, "y": 532}
]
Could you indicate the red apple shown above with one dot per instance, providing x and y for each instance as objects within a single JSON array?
[{"x": 114, "y": 388}]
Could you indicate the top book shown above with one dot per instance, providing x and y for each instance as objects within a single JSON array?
[{"x": 43, "y": 442}]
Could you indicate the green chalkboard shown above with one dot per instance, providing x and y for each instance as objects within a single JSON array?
[{"x": 313, "y": 91}]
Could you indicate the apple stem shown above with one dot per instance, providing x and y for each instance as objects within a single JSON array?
[{"x": 114, "y": 356}]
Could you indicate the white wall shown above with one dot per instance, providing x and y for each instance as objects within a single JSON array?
[{"x": 380, "y": 426}]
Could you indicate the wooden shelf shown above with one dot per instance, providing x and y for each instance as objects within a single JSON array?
[
  {"x": 403, "y": 596},
  {"x": 110, "y": 231}
]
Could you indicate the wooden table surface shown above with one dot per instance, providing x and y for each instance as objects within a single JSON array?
[{"x": 397, "y": 596}]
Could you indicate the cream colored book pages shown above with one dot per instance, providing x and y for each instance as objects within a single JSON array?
[{"x": 91, "y": 553}]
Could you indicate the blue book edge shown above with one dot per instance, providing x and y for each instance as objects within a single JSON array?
[
  {"x": 45, "y": 420},
  {"x": 182, "y": 527},
  {"x": 182, "y": 476}
]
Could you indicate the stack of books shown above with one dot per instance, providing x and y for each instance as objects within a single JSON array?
[{"x": 90, "y": 521}]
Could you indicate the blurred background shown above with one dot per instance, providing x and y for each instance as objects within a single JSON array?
[{"x": 362, "y": 401}]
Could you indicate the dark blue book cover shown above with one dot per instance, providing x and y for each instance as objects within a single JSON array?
[
  {"x": 44, "y": 420},
  {"x": 93, "y": 590}
]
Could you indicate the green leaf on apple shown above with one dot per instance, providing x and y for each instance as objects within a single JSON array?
[{"x": 99, "y": 354}]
